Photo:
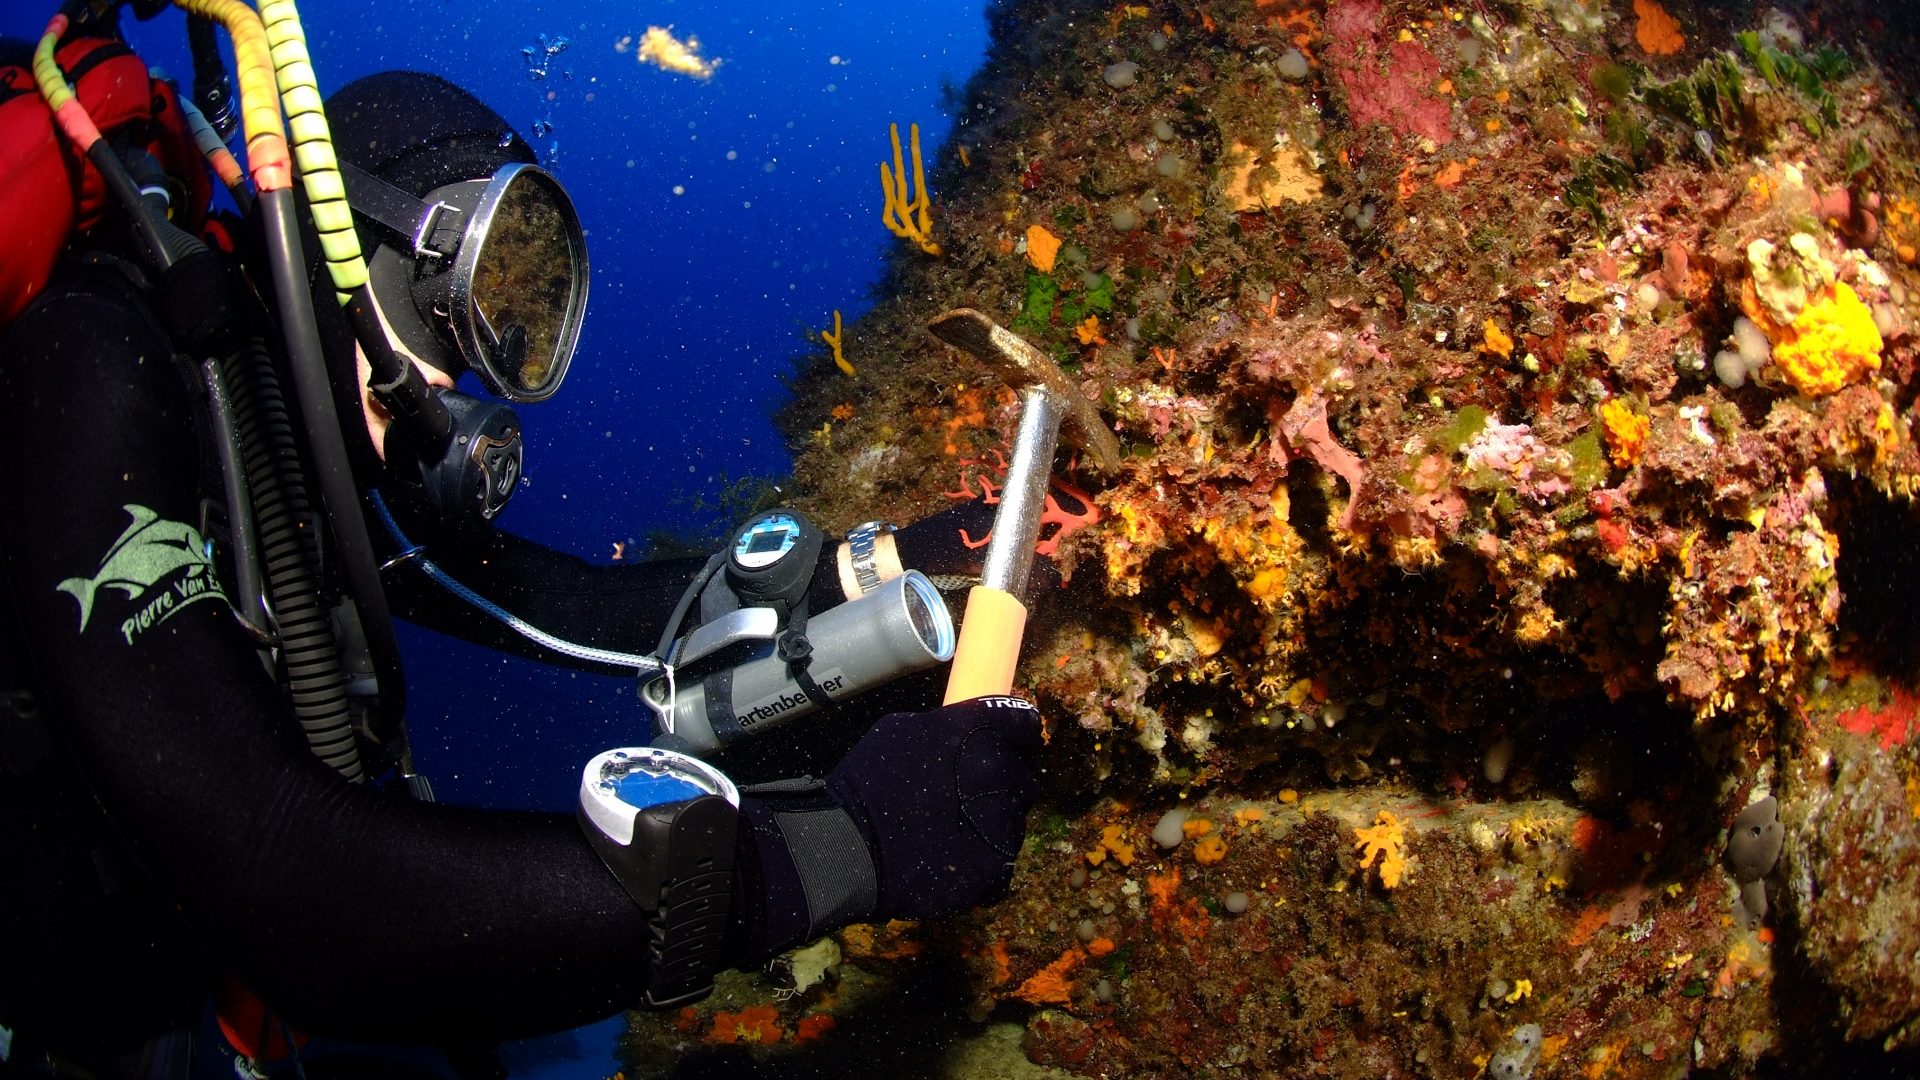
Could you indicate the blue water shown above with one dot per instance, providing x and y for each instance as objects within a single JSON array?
[{"x": 725, "y": 219}]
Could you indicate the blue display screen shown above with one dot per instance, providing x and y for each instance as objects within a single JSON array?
[{"x": 641, "y": 790}]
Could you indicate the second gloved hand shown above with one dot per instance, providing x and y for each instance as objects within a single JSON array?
[{"x": 924, "y": 817}]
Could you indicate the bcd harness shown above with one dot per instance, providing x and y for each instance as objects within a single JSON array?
[
  {"x": 259, "y": 511},
  {"x": 261, "y": 518}
]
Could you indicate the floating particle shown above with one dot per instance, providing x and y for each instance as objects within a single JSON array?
[{"x": 660, "y": 48}]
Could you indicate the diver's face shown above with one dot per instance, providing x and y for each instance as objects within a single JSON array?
[{"x": 376, "y": 414}]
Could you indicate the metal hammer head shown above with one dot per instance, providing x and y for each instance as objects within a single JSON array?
[{"x": 1020, "y": 365}]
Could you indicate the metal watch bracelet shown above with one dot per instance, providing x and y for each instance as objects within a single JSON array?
[{"x": 861, "y": 544}]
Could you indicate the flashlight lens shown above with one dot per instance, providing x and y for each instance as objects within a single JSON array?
[{"x": 927, "y": 613}]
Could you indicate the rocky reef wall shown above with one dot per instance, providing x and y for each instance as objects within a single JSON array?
[{"x": 1503, "y": 603}]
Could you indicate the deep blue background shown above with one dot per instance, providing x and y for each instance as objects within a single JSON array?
[{"x": 726, "y": 219}]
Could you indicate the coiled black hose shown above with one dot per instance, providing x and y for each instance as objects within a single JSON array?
[
  {"x": 334, "y": 483},
  {"x": 289, "y": 547}
]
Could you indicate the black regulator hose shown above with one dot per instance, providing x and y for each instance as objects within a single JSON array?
[
  {"x": 126, "y": 193},
  {"x": 334, "y": 472},
  {"x": 187, "y": 272},
  {"x": 289, "y": 550},
  {"x": 197, "y": 299},
  {"x": 212, "y": 87},
  {"x": 397, "y": 384}
]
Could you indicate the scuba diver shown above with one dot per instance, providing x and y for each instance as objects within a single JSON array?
[{"x": 233, "y": 462}]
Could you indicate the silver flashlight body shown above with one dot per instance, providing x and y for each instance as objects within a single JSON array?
[{"x": 899, "y": 628}]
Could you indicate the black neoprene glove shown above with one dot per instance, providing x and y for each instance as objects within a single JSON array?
[{"x": 924, "y": 817}]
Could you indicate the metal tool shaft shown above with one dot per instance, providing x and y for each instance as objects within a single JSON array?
[{"x": 1016, "y": 525}]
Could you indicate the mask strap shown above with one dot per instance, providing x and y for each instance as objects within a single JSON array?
[{"x": 434, "y": 230}]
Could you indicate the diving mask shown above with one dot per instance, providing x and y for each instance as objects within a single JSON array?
[{"x": 488, "y": 276}]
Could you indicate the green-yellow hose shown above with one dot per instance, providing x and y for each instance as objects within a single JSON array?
[
  {"x": 67, "y": 110},
  {"x": 313, "y": 146},
  {"x": 46, "y": 71},
  {"x": 267, "y": 156}
]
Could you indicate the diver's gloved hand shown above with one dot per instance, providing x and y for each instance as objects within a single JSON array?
[{"x": 924, "y": 817}]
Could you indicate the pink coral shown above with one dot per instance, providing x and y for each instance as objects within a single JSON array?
[
  {"x": 1537, "y": 470},
  {"x": 1391, "y": 83},
  {"x": 1438, "y": 507},
  {"x": 1303, "y": 430},
  {"x": 1066, "y": 522}
]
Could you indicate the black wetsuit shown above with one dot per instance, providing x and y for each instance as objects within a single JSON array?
[{"x": 226, "y": 843}]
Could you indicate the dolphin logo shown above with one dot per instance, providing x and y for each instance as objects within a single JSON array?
[{"x": 150, "y": 549}]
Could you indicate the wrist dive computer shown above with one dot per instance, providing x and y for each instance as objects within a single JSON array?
[{"x": 665, "y": 823}]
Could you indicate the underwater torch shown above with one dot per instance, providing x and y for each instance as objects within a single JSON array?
[{"x": 899, "y": 628}]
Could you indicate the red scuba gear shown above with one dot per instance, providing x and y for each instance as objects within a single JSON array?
[{"x": 48, "y": 190}]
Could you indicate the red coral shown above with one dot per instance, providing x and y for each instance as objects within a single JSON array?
[
  {"x": 1613, "y": 535},
  {"x": 1892, "y": 724},
  {"x": 1066, "y": 522},
  {"x": 1391, "y": 84},
  {"x": 813, "y": 1028}
]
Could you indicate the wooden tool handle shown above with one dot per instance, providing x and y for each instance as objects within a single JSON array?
[{"x": 989, "y": 647}]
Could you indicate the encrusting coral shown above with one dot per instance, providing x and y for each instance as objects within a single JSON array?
[{"x": 1386, "y": 841}]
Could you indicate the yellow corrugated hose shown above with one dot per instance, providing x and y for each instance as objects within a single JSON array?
[
  {"x": 313, "y": 146},
  {"x": 46, "y": 72},
  {"x": 267, "y": 157}
]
